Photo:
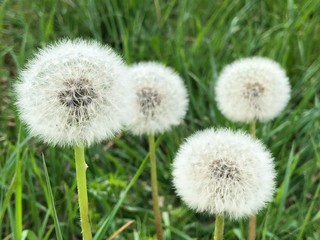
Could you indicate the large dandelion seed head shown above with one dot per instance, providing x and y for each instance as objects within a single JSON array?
[
  {"x": 224, "y": 172},
  {"x": 161, "y": 98},
  {"x": 252, "y": 89},
  {"x": 74, "y": 92}
]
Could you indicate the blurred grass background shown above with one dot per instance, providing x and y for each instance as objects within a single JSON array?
[{"x": 197, "y": 38}]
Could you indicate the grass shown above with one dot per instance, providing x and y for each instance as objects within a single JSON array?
[{"x": 197, "y": 38}]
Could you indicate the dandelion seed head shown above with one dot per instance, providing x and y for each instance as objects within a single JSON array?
[
  {"x": 224, "y": 172},
  {"x": 161, "y": 98},
  {"x": 74, "y": 93},
  {"x": 252, "y": 89}
]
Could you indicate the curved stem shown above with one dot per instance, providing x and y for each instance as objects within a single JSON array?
[
  {"x": 154, "y": 186},
  {"x": 253, "y": 218},
  {"x": 81, "y": 168},
  {"x": 219, "y": 226}
]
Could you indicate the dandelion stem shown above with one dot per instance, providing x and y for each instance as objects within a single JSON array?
[
  {"x": 252, "y": 227},
  {"x": 81, "y": 168},
  {"x": 253, "y": 218},
  {"x": 219, "y": 226},
  {"x": 154, "y": 186}
]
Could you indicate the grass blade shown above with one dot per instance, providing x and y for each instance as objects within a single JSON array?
[
  {"x": 8, "y": 197},
  {"x": 308, "y": 216},
  {"x": 104, "y": 227},
  {"x": 120, "y": 230},
  {"x": 52, "y": 207}
]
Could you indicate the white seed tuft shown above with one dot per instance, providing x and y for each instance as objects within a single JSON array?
[
  {"x": 252, "y": 89},
  {"x": 74, "y": 93},
  {"x": 161, "y": 98},
  {"x": 224, "y": 172}
]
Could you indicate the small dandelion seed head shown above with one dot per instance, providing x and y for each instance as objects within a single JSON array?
[
  {"x": 74, "y": 93},
  {"x": 161, "y": 98},
  {"x": 224, "y": 172},
  {"x": 252, "y": 89}
]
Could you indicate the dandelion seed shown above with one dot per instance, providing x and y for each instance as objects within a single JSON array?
[
  {"x": 74, "y": 93},
  {"x": 161, "y": 98},
  {"x": 224, "y": 173},
  {"x": 161, "y": 102},
  {"x": 252, "y": 89}
]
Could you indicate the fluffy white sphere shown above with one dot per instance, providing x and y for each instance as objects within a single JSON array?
[
  {"x": 161, "y": 98},
  {"x": 224, "y": 172},
  {"x": 252, "y": 89},
  {"x": 74, "y": 92}
]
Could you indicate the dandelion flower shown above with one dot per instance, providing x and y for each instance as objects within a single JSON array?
[
  {"x": 225, "y": 173},
  {"x": 74, "y": 93},
  {"x": 161, "y": 102},
  {"x": 252, "y": 89},
  {"x": 161, "y": 98}
]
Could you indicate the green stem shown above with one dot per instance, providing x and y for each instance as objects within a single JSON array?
[
  {"x": 18, "y": 199},
  {"x": 253, "y": 218},
  {"x": 219, "y": 226},
  {"x": 81, "y": 168},
  {"x": 154, "y": 186}
]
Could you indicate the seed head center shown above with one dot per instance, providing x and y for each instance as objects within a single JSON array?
[
  {"x": 77, "y": 94},
  {"x": 76, "y": 97},
  {"x": 253, "y": 90},
  {"x": 224, "y": 169},
  {"x": 148, "y": 99}
]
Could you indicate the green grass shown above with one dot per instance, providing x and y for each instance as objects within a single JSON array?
[{"x": 197, "y": 38}]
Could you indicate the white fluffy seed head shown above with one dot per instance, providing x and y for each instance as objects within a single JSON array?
[
  {"x": 74, "y": 93},
  {"x": 161, "y": 98},
  {"x": 224, "y": 172},
  {"x": 251, "y": 89}
]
